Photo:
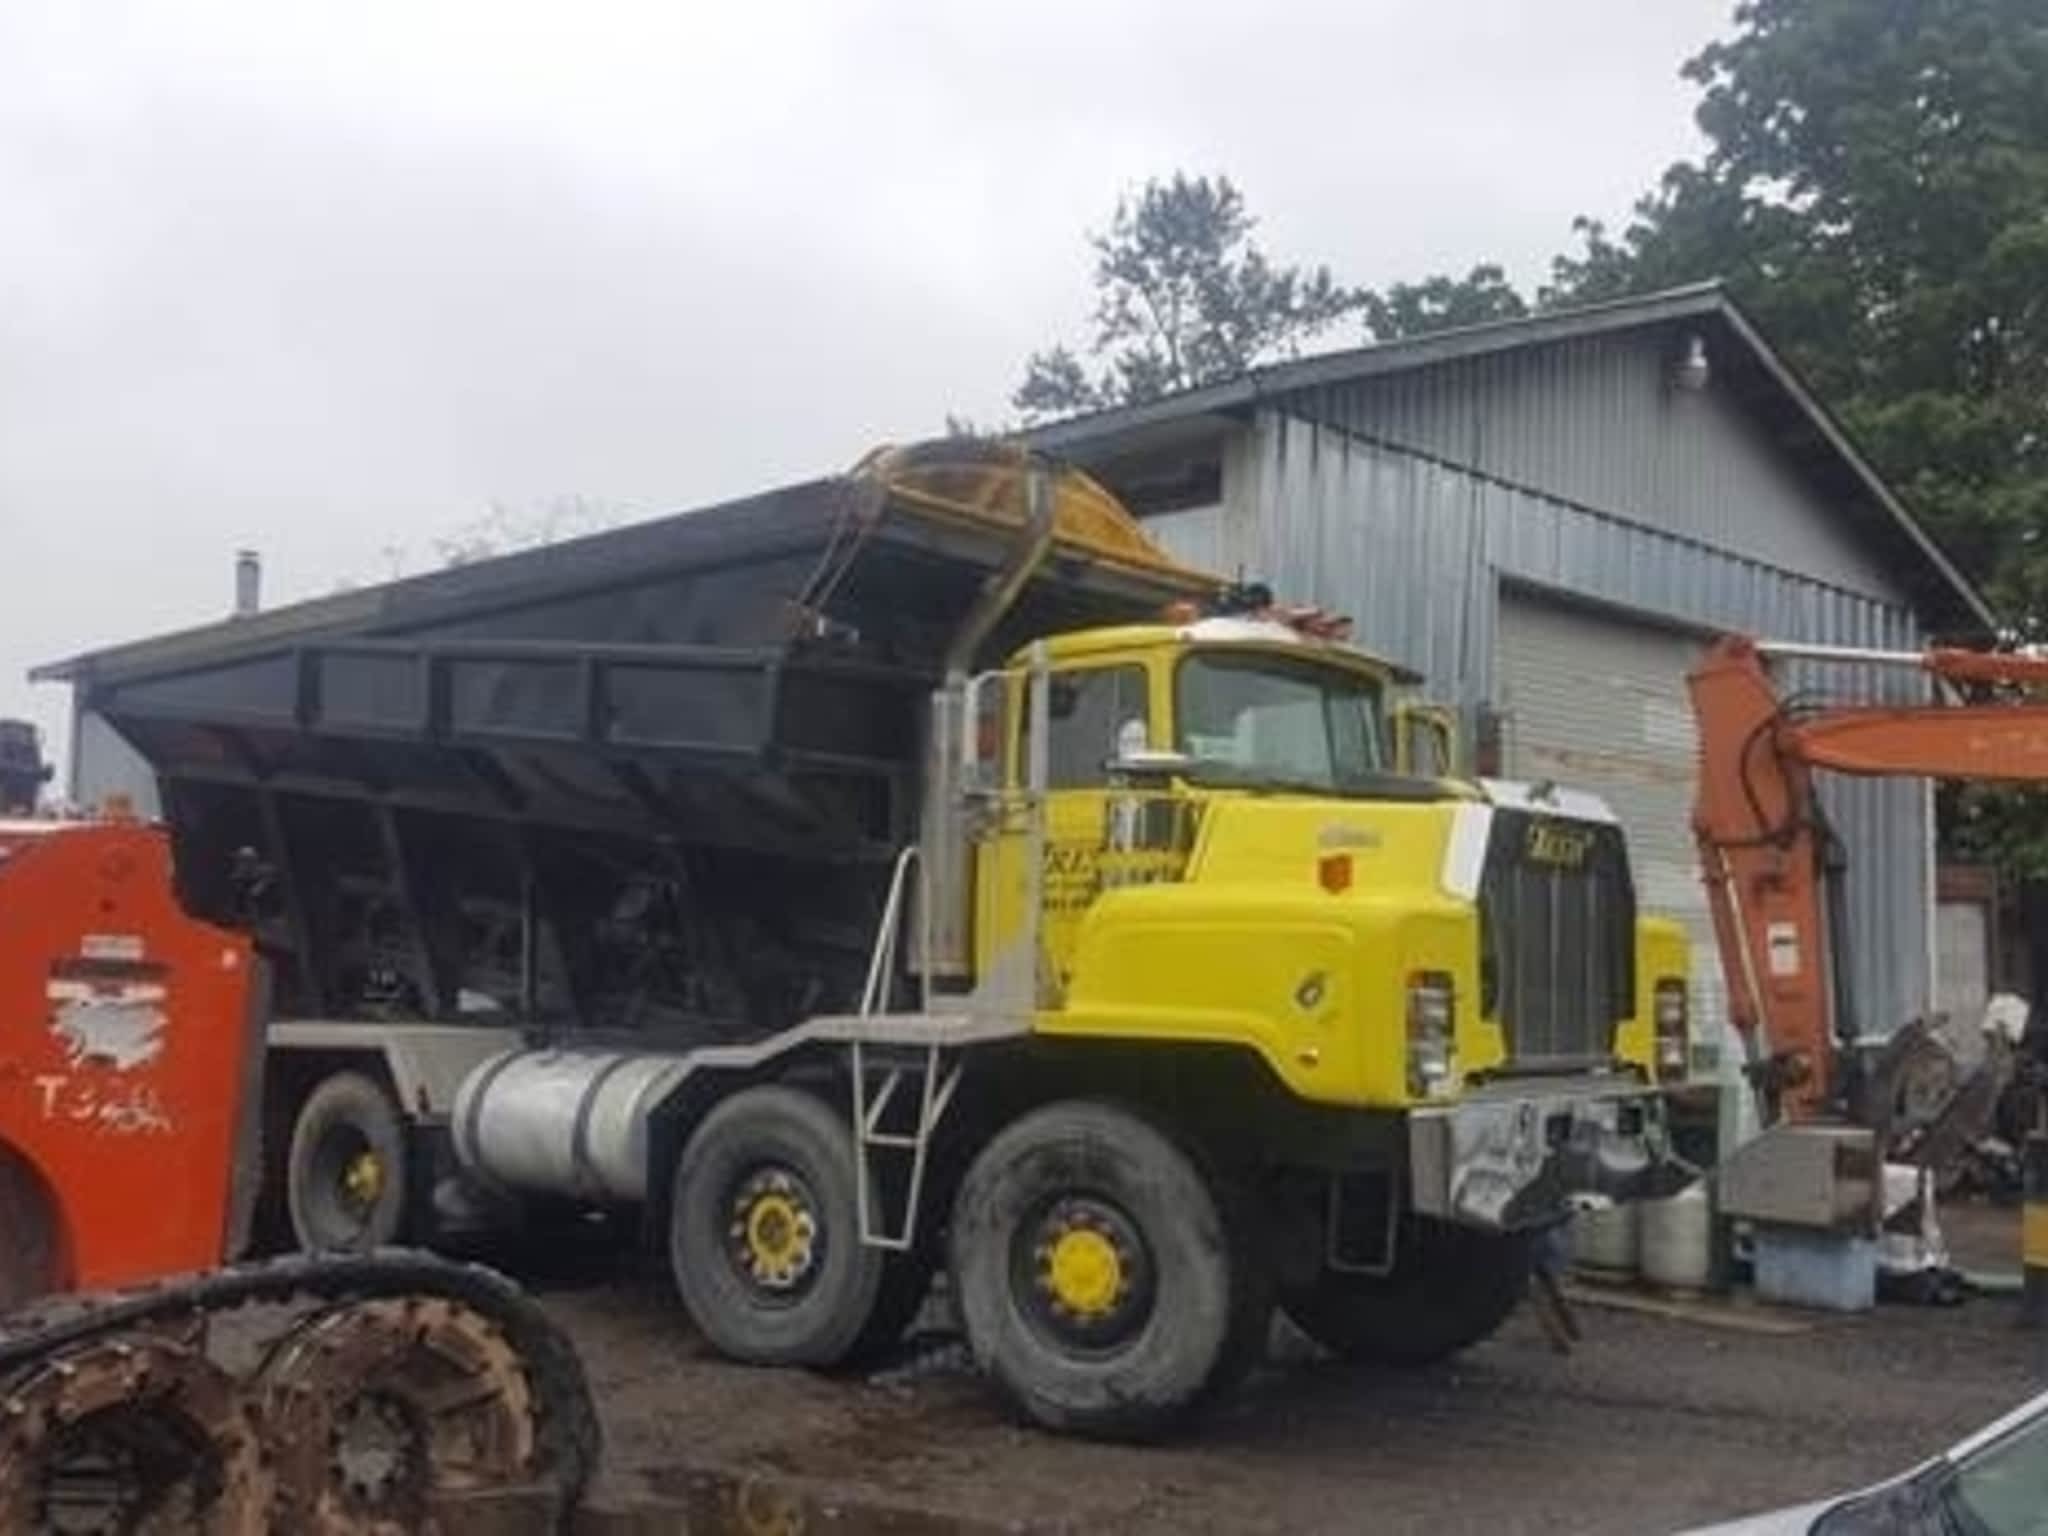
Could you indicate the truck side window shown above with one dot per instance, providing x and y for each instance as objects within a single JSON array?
[{"x": 1091, "y": 710}]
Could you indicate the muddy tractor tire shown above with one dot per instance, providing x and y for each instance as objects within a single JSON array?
[
  {"x": 346, "y": 1173},
  {"x": 764, "y": 1232},
  {"x": 1449, "y": 1288},
  {"x": 1104, "y": 1278}
]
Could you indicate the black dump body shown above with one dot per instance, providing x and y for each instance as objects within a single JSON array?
[{"x": 648, "y": 781}]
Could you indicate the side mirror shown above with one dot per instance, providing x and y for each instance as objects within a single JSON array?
[{"x": 1425, "y": 740}]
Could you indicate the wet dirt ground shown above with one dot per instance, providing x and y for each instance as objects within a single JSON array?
[{"x": 1655, "y": 1422}]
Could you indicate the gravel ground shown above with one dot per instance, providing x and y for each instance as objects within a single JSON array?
[{"x": 1652, "y": 1424}]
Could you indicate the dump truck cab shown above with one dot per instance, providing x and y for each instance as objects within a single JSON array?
[{"x": 1233, "y": 856}]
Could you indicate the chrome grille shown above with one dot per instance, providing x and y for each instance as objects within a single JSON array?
[{"x": 1557, "y": 930}]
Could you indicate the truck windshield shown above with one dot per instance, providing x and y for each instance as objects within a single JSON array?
[{"x": 1272, "y": 720}]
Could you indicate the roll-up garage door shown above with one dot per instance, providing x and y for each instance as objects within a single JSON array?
[{"x": 1599, "y": 703}]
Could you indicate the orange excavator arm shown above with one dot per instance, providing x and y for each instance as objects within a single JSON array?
[{"x": 1765, "y": 849}]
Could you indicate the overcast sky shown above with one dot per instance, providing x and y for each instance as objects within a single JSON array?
[{"x": 327, "y": 280}]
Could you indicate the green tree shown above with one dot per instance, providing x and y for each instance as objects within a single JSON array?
[
  {"x": 1442, "y": 303},
  {"x": 1876, "y": 192},
  {"x": 1184, "y": 297}
]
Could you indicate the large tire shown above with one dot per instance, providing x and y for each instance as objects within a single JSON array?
[
  {"x": 1450, "y": 1287},
  {"x": 1104, "y": 1280},
  {"x": 28, "y": 1234},
  {"x": 764, "y": 1232},
  {"x": 1252, "y": 1280},
  {"x": 346, "y": 1175}
]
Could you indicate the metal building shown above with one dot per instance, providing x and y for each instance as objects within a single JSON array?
[{"x": 1545, "y": 517}]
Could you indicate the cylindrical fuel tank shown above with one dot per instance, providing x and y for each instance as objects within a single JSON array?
[
  {"x": 1605, "y": 1239},
  {"x": 1678, "y": 1239},
  {"x": 563, "y": 1122}
]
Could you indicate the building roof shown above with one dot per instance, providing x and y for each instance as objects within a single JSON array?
[
  {"x": 1799, "y": 421},
  {"x": 959, "y": 503},
  {"x": 758, "y": 523},
  {"x": 1801, "y": 424}
]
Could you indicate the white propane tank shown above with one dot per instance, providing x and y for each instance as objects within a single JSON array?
[
  {"x": 1678, "y": 1239},
  {"x": 1604, "y": 1238}
]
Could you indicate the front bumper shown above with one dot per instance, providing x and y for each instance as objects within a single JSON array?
[{"x": 1519, "y": 1155}]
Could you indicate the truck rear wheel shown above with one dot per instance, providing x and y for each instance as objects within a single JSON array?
[
  {"x": 764, "y": 1232},
  {"x": 1450, "y": 1287},
  {"x": 346, "y": 1173},
  {"x": 1103, "y": 1279}
]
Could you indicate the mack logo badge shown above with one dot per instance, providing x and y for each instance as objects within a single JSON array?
[{"x": 1565, "y": 847}]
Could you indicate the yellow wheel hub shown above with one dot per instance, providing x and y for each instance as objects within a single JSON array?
[
  {"x": 1085, "y": 1272},
  {"x": 363, "y": 1178},
  {"x": 775, "y": 1234}
]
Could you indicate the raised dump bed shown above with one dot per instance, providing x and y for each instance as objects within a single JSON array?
[{"x": 646, "y": 781}]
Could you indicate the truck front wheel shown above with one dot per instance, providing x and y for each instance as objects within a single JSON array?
[
  {"x": 346, "y": 1173},
  {"x": 1450, "y": 1287},
  {"x": 1105, "y": 1283},
  {"x": 764, "y": 1232}
]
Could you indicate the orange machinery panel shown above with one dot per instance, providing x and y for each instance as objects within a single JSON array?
[{"x": 130, "y": 1051}]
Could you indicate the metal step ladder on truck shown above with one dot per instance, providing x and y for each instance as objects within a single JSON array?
[{"x": 910, "y": 864}]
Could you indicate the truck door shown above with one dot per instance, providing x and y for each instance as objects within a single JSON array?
[{"x": 1096, "y": 714}]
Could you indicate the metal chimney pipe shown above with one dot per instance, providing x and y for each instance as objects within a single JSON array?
[{"x": 248, "y": 582}]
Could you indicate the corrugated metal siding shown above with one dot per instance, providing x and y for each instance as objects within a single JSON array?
[
  {"x": 1595, "y": 421},
  {"x": 1194, "y": 534},
  {"x": 1599, "y": 703},
  {"x": 1417, "y": 551}
]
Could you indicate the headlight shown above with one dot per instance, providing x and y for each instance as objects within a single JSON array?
[
  {"x": 1672, "y": 1031},
  {"x": 1432, "y": 1031}
]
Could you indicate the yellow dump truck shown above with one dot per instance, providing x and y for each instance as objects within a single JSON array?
[
  {"x": 920, "y": 866},
  {"x": 1305, "y": 1026}
]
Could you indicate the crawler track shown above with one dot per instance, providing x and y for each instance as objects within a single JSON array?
[{"x": 394, "y": 1380}]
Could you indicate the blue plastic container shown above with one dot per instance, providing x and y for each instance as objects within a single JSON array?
[{"x": 1805, "y": 1268}]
